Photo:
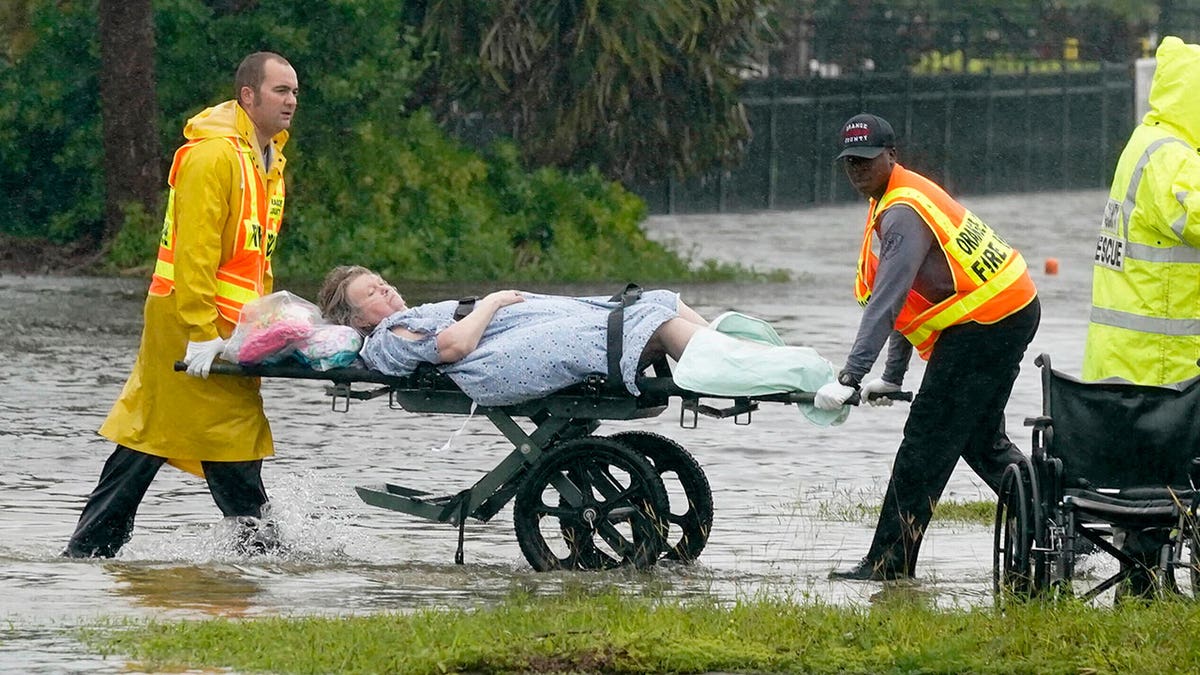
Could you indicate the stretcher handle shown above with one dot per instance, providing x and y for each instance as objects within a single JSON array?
[
  {"x": 665, "y": 387},
  {"x": 906, "y": 396},
  {"x": 300, "y": 371},
  {"x": 809, "y": 397}
]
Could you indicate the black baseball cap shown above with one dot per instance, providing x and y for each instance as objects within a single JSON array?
[{"x": 866, "y": 135}]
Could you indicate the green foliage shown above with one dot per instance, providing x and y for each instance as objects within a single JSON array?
[
  {"x": 430, "y": 209},
  {"x": 15, "y": 33},
  {"x": 613, "y": 633},
  {"x": 50, "y": 180},
  {"x": 370, "y": 180},
  {"x": 134, "y": 247},
  {"x": 639, "y": 89}
]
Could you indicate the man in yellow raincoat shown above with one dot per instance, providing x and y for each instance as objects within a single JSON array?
[
  {"x": 1145, "y": 320},
  {"x": 222, "y": 220}
]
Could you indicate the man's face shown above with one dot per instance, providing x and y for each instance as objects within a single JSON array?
[
  {"x": 870, "y": 176},
  {"x": 272, "y": 106}
]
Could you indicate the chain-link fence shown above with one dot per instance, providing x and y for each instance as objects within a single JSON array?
[{"x": 974, "y": 134}]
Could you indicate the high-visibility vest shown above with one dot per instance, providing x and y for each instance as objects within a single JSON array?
[
  {"x": 991, "y": 281},
  {"x": 241, "y": 278},
  {"x": 1145, "y": 318}
]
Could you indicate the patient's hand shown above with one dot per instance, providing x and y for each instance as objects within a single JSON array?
[
  {"x": 455, "y": 342},
  {"x": 504, "y": 298}
]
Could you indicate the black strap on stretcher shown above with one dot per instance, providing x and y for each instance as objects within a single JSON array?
[
  {"x": 461, "y": 501},
  {"x": 616, "y": 329},
  {"x": 616, "y": 333},
  {"x": 465, "y": 306},
  {"x": 616, "y": 346}
]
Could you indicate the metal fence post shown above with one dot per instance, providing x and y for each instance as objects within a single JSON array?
[
  {"x": 817, "y": 169},
  {"x": 989, "y": 148},
  {"x": 772, "y": 149},
  {"x": 947, "y": 133},
  {"x": 1104, "y": 112},
  {"x": 1065, "y": 137},
  {"x": 908, "y": 104},
  {"x": 1028, "y": 168}
]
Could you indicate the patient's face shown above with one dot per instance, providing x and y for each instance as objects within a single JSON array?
[{"x": 374, "y": 298}]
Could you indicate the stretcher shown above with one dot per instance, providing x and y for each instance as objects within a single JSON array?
[{"x": 580, "y": 500}]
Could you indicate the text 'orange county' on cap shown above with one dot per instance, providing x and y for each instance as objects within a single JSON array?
[{"x": 866, "y": 135}]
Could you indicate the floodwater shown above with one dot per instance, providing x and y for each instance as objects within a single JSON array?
[{"x": 782, "y": 487}]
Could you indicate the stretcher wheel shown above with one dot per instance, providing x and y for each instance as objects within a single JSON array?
[
  {"x": 691, "y": 507},
  {"x": 1012, "y": 543},
  {"x": 591, "y": 502}
]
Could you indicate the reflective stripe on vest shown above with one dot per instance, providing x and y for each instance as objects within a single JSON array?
[
  {"x": 1113, "y": 249},
  {"x": 241, "y": 278},
  {"x": 990, "y": 277}
]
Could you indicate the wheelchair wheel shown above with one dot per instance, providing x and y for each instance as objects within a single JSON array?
[
  {"x": 1193, "y": 543},
  {"x": 590, "y": 503},
  {"x": 1012, "y": 544},
  {"x": 1176, "y": 561},
  {"x": 691, "y": 502},
  {"x": 1040, "y": 544}
]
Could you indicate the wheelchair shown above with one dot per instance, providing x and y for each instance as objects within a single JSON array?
[{"x": 1110, "y": 462}]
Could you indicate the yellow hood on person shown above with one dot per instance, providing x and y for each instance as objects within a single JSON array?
[
  {"x": 1173, "y": 103},
  {"x": 169, "y": 414},
  {"x": 1145, "y": 318}
]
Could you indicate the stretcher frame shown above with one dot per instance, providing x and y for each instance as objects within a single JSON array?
[{"x": 613, "y": 505}]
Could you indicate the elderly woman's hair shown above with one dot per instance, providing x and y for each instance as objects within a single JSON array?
[{"x": 332, "y": 300}]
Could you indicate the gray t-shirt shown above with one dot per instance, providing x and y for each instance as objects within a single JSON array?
[{"x": 909, "y": 259}]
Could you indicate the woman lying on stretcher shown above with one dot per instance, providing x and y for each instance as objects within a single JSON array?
[{"x": 514, "y": 346}]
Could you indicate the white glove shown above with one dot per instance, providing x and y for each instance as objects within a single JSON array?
[
  {"x": 200, "y": 356},
  {"x": 832, "y": 396},
  {"x": 878, "y": 386}
]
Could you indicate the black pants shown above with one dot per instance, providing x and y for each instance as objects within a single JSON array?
[
  {"x": 106, "y": 523},
  {"x": 958, "y": 412}
]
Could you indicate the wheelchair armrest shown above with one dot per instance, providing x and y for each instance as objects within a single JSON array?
[{"x": 1039, "y": 422}]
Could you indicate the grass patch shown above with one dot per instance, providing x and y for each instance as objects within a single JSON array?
[
  {"x": 622, "y": 634},
  {"x": 861, "y": 506},
  {"x": 976, "y": 512}
]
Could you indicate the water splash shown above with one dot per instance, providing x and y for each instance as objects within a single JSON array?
[{"x": 311, "y": 526}]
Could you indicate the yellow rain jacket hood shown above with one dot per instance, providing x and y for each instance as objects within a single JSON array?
[
  {"x": 1174, "y": 106},
  {"x": 228, "y": 119},
  {"x": 1145, "y": 319},
  {"x": 170, "y": 414}
]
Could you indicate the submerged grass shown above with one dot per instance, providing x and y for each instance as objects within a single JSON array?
[
  {"x": 613, "y": 633},
  {"x": 857, "y": 506},
  {"x": 977, "y": 512}
]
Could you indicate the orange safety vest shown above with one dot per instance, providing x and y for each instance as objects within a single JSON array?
[
  {"x": 239, "y": 279},
  {"x": 991, "y": 281}
]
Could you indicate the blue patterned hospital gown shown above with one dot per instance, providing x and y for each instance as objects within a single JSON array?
[{"x": 530, "y": 349}]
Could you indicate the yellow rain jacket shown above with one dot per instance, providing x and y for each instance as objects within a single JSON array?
[
  {"x": 1145, "y": 320},
  {"x": 170, "y": 414}
]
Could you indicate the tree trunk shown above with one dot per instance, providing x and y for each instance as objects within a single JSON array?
[{"x": 129, "y": 106}]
